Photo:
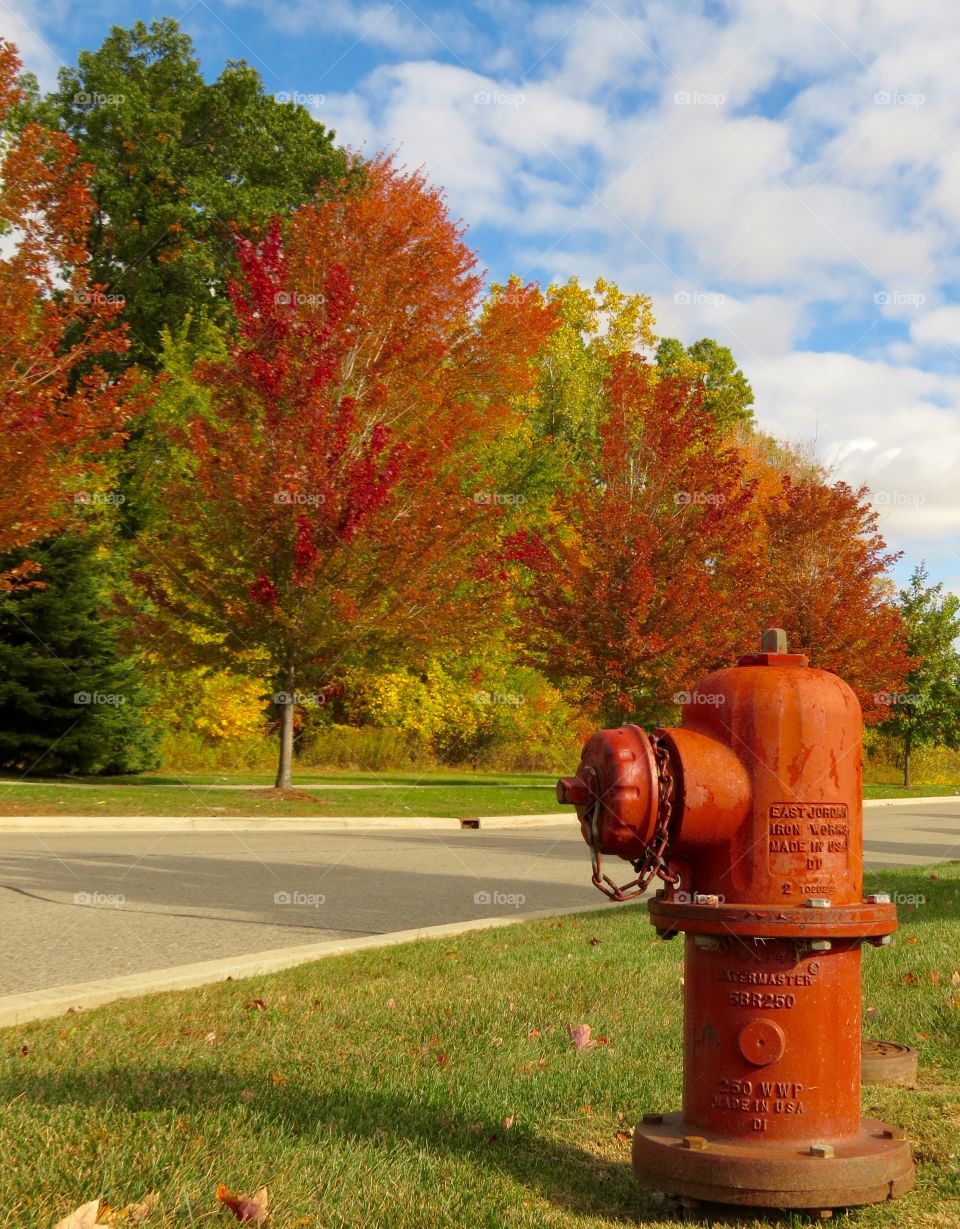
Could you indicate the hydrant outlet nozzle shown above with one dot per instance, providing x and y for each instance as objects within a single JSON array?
[{"x": 571, "y": 791}]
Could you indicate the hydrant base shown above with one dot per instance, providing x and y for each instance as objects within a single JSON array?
[{"x": 679, "y": 1159}]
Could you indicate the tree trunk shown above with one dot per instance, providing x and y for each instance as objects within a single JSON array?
[
  {"x": 288, "y": 703},
  {"x": 907, "y": 740}
]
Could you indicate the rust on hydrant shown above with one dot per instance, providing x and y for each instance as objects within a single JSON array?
[{"x": 750, "y": 816}]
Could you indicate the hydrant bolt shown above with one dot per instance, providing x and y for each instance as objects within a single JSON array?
[
  {"x": 818, "y": 902},
  {"x": 878, "y": 898},
  {"x": 822, "y": 1150}
]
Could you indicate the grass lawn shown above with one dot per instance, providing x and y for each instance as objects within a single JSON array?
[
  {"x": 434, "y": 1084},
  {"x": 433, "y": 794}
]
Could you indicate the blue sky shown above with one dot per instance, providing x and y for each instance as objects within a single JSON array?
[{"x": 784, "y": 177}]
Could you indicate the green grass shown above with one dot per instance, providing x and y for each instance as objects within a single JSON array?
[
  {"x": 433, "y": 797},
  {"x": 371, "y": 1090},
  {"x": 916, "y": 791},
  {"x": 391, "y": 794}
]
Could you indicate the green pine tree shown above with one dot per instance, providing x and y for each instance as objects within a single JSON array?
[{"x": 69, "y": 702}]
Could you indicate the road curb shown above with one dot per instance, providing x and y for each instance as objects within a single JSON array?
[
  {"x": 893, "y": 802},
  {"x": 335, "y": 823},
  {"x": 253, "y": 823},
  {"x": 43, "y": 1004}
]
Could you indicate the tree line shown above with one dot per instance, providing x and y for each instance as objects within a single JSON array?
[{"x": 263, "y": 418}]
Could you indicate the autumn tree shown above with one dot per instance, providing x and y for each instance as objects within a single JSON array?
[
  {"x": 639, "y": 585},
  {"x": 828, "y": 584},
  {"x": 726, "y": 391},
  {"x": 59, "y": 411},
  {"x": 329, "y": 515},
  {"x": 179, "y": 165},
  {"x": 927, "y": 709}
]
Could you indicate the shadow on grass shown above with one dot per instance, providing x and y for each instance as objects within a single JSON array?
[{"x": 568, "y": 1177}]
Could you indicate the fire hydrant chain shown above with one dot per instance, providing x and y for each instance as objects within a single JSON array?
[{"x": 653, "y": 861}]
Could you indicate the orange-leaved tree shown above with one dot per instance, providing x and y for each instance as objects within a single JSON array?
[
  {"x": 828, "y": 585},
  {"x": 59, "y": 412},
  {"x": 327, "y": 517},
  {"x": 640, "y": 585}
]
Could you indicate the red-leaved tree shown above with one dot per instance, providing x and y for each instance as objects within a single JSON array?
[
  {"x": 641, "y": 585},
  {"x": 828, "y": 585},
  {"x": 59, "y": 412},
  {"x": 329, "y": 516}
]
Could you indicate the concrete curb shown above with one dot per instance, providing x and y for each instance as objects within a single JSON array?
[
  {"x": 304, "y": 823},
  {"x": 897, "y": 802},
  {"x": 253, "y": 823},
  {"x": 43, "y": 1004}
]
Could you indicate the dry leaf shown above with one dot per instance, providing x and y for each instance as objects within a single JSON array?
[
  {"x": 391, "y": 1002},
  {"x": 912, "y": 941},
  {"x": 25, "y": 1049},
  {"x": 210, "y": 1038},
  {"x": 624, "y": 1137},
  {"x": 251, "y": 1208},
  {"x": 533, "y": 1034},
  {"x": 508, "y": 1122},
  {"x": 256, "y": 1005},
  {"x": 82, "y": 1218},
  {"x": 934, "y": 978},
  {"x": 955, "y": 979},
  {"x": 135, "y": 1213},
  {"x": 278, "y": 1078},
  {"x": 580, "y": 1036},
  {"x": 910, "y": 979}
]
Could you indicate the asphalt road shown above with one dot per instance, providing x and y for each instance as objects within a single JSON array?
[{"x": 76, "y": 907}]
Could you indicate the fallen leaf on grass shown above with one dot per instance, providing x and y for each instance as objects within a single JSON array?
[
  {"x": 533, "y": 1034},
  {"x": 82, "y": 1218},
  {"x": 278, "y": 1079},
  {"x": 256, "y": 1005},
  {"x": 251, "y": 1208},
  {"x": 934, "y": 978},
  {"x": 955, "y": 979},
  {"x": 624, "y": 1137},
  {"x": 391, "y": 1002},
  {"x": 136, "y": 1213},
  {"x": 508, "y": 1122},
  {"x": 580, "y": 1036},
  {"x": 25, "y": 1049},
  {"x": 910, "y": 979}
]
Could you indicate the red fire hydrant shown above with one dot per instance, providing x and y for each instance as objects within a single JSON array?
[{"x": 751, "y": 815}]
